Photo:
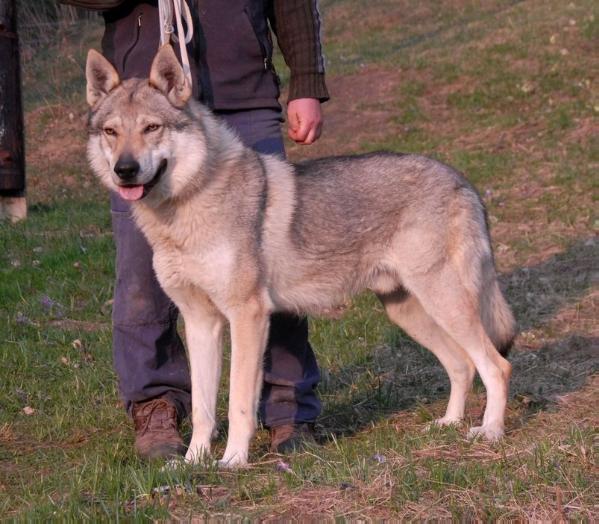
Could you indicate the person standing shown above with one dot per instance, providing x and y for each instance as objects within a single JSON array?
[{"x": 233, "y": 74}]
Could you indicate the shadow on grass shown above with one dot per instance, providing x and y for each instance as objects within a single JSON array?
[{"x": 402, "y": 375}]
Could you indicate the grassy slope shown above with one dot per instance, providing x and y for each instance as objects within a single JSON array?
[{"x": 504, "y": 90}]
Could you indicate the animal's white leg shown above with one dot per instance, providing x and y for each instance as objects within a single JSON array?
[
  {"x": 249, "y": 331},
  {"x": 455, "y": 309},
  {"x": 203, "y": 333},
  {"x": 407, "y": 312}
]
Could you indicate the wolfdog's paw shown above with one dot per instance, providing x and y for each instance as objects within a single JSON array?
[
  {"x": 232, "y": 462},
  {"x": 197, "y": 454},
  {"x": 492, "y": 433}
]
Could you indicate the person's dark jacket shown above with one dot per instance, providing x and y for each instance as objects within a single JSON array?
[{"x": 231, "y": 53}]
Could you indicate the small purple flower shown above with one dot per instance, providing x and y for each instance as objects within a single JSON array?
[
  {"x": 284, "y": 467},
  {"x": 381, "y": 459},
  {"x": 51, "y": 306},
  {"x": 47, "y": 302},
  {"x": 22, "y": 319}
]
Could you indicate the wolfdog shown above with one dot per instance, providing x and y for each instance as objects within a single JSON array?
[{"x": 237, "y": 235}]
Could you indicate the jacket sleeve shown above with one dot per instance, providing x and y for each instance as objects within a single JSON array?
[
  {"x": 297, "y": 26},
  {"x": 96, "y": 5}
]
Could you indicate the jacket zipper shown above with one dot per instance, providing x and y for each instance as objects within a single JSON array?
[
  {"x": 137, "y": 35},
  {"x": 266, "y": 60}
]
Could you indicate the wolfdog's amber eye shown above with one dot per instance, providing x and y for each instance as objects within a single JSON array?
[
  {"x": 109, "y": 131},
  {"x": 151, "y": 127}
]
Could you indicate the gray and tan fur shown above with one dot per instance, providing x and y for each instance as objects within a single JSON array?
[{"x": 237, "y": 235}]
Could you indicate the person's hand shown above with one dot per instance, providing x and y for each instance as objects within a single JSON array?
[{"x": 304, "y": 120}]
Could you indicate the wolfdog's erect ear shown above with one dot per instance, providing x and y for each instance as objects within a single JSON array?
[
  {"x": 167, "y": 76},
  {"x": 101, "y": 77}
]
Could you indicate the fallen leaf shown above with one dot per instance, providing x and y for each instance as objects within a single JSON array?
[
  {"x": 527, "y": 87},
  {"x": 106, "y": 307}
]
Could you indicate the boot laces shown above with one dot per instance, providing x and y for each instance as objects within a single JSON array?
[{"x": 156, "y": 414}]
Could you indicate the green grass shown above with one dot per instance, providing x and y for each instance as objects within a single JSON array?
[{"x": 484, "y": 86}]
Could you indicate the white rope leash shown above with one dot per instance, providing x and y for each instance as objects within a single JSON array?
[{"x": 165, "y": 9}]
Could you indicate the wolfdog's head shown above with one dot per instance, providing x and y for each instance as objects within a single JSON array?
[{"x": 144, "y": 138}]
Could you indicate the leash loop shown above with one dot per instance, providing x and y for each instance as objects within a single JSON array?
[{"x": 179, "y": 10}]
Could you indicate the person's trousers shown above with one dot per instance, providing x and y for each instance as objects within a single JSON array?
[{"x": 149, "y": 356}]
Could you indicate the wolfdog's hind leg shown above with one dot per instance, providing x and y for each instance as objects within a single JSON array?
[
  {"x": 455, "y": 308},
  {"x": 406, "y": 311}
]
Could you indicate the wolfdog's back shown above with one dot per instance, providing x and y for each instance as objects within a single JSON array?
[{"x": 359, "y": 199}]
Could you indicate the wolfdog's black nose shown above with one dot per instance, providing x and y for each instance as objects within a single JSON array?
[{"x": 126, "y": 168}]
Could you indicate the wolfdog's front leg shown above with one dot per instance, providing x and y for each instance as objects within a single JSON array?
[
  {"x": 203, "y": 333},
  {"x": 249, "y": 330}
]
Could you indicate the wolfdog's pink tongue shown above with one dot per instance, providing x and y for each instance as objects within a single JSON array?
[{"x": 131, "y": 192}]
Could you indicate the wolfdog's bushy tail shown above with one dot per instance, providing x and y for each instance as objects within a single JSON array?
[
  {"x": 497, "y": 317},
  {"x": 495, "y": 314}
]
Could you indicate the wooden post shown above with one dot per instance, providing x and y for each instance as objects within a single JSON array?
[{"x": 12, "y": 154}]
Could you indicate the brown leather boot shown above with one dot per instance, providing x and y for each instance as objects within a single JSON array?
[
  {"x": 157, "y": 430},
  {"x": 291, "y": 437}
]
